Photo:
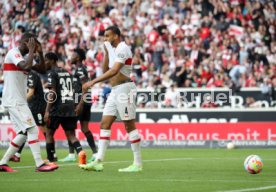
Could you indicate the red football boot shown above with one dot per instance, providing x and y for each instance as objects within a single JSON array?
[
  {"x": 6, "y": 168},
  {"x": 47, "y": 167}
]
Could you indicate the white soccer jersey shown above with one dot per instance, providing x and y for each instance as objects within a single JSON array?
[
  {"x": 111, "y": 53},
  {"x": 121, "y": 54},
  {"x": 15, "y": 80}
]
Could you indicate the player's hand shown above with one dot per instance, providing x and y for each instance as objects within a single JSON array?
[
  {"x": 46, "y": 117},
  {"x": 105, "y": 50},
  {"x": 38, "y": 47},
  {"x": 86, "y": 86},
  {"x": 78, "y": 109},
  {"x": 31, "y": 45}
]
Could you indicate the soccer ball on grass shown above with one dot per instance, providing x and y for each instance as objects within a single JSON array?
[{"x": 253, "y": 164}]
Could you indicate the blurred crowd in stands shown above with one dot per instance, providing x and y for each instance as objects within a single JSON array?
[{"x": 176, "y": 43}]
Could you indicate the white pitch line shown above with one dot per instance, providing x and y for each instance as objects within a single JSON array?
[
  {"x": 149, "y": 160},
  {"x": 141, "y": 180},
  {"x": 114, "y": 162},
  {"x": 163, "y": 180},
  {"x": 252, "y": 189}
]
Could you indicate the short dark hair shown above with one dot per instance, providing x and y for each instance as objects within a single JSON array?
[
  {"x": 27, "y": 36},
  {"x": 81, "y": 53},
  {"x": 114, "y": 29},
  {"x": 51, "y": 56}
]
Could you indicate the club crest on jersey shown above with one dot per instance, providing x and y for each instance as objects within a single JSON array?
[
  {"x": 121, "y": 55},
  {"x": 30, "y": 121}
]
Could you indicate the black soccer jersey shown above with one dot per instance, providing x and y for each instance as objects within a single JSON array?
[
  {"x": 81, "y": 76},
  {"x": 62, "y": 81},
  {"x": 37, "y": 103}
]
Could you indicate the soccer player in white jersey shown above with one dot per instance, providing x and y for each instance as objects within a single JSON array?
[
  {"x": 15, "y": 100},
  {"x": 121, "y": 101}
]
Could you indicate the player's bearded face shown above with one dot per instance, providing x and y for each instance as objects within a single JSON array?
[
  {"x": 110, "y": 37},
  {"x": 112, "y": 41}
]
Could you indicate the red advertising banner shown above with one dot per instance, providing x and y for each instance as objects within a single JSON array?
[{"x": 174, "y": 131}]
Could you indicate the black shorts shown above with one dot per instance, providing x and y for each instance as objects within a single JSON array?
[
  {"x": 85, "y": 115},
  {"x": 39, "y": 118},
  {"x": 67, "y": 123}
]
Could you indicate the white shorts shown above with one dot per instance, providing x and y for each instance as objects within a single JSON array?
[
  {"x": 22, "y": 117},
  {"x": 121, "y": 102}
]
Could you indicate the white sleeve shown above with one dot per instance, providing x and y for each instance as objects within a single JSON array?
[
  {"x": 15, "y": 56},
  {"x": 121, "y": 55}
]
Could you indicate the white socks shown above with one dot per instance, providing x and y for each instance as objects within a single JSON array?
[
  {"x": 32, "y": 137},
  {"x": 17, "y": 154},
  {"x": 13, "y": 148},
  {"x": 134, "y": 138},
  {"x": 103, "y": 144},
  {"x": 71, "y": 155},
  {"x": 32, "y": 134}
]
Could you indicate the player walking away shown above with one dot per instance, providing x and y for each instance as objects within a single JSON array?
[
  {"x": 121, "y": 101},
  {"x": 36, "y": 100},
  {"x": 15, "y": 100},
  {"x": 60, "y": 108},
  {"x": 81, "y": 76},
  {"x": 37, "y": 105}
]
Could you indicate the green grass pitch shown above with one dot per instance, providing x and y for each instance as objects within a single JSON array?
[{"x": 165, "y": 170}]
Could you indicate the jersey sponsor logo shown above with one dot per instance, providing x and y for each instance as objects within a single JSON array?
[{"x": 128, "y": 61}]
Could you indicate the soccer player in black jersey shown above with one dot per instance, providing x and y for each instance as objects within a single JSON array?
[
  {"x": 60, "y": 108},
  {"x": 81, "y": 76},
  {"x": 36, "y": 99}
]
